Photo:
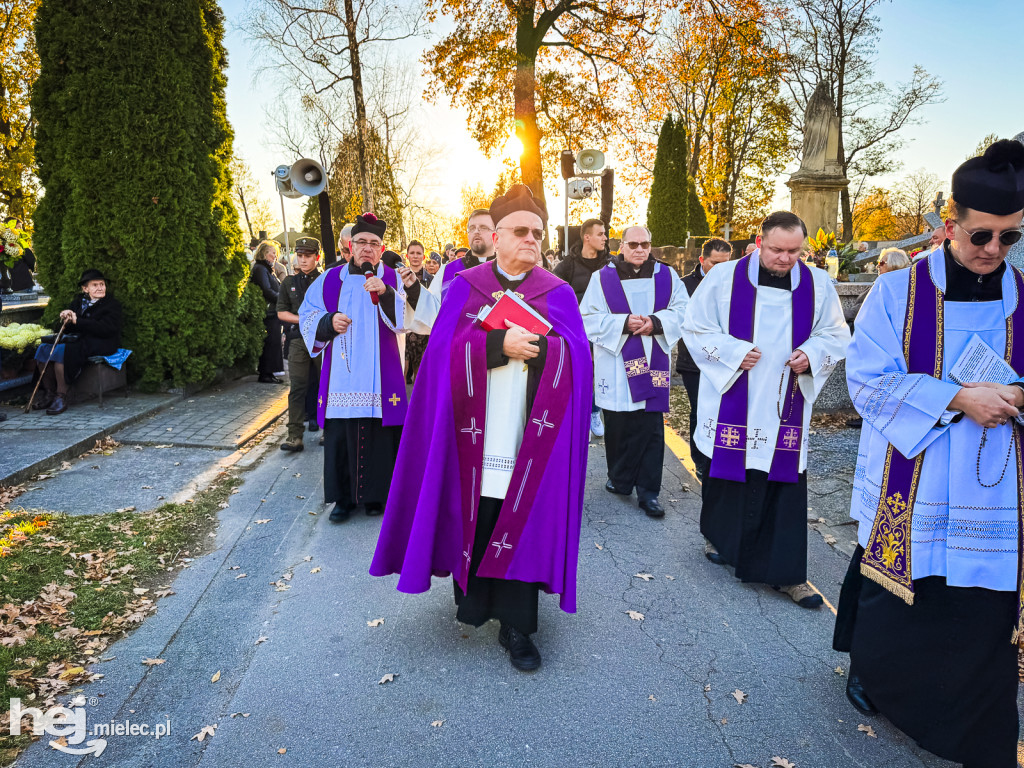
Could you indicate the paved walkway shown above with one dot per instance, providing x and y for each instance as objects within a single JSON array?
[{"x": 300, "y": 667}]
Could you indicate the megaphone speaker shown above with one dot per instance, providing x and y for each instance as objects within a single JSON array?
[
  {"x": 590, "y": 160},
  {"x": 307, "y": 177}
]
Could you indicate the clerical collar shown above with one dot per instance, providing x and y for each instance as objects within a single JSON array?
[
  {"x": 768, "y": 280},
  {"x": 629, "y": 271},
  {"x": 472, "y": 260},
  {"x": 964, "y": 285},
  {"x": 356, "y": 269},
  {"x": 510, "y": 278}
]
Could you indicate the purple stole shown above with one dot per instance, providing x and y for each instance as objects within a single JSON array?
[
  {"x": 728, "y": 459},
  {"x": 392, "y": 380},
  {"x": 887, "y": 557},
  {"x": 647, "y": 381},
  {"x": 469, "y": 396}
]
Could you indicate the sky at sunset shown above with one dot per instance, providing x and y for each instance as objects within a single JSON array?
[{"x": 973, "y": 48}]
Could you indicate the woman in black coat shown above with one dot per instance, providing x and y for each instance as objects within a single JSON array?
[
  {"x": 272, "y": 359},
  {"x": 95, "y": 319}
]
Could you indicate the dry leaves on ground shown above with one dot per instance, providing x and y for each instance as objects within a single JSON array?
[
  {"x": 644, "y": 576},
  {"x": 153, "y": 662},
  {"x": 598, "y": 545},
  {"x": 437, "y": 724},
  {"x": 868, "y": 730},
  {"x": 215, "y": 677},
  {"x": 839, "y": 671},
  {"x": 262, "y": 522},
  {"x": 375, "y": 623},
  {"x": 207, "y": 730},
  {"x": 315, "y": 570},
  {"x": 282, "y": 750},
  {"x": 781, "y": 762},
  {"x": 635, "y": 615},
  {"x": 261, "y": 639},
  {"x": 739, "y": 695},
  {"x": 388, "y": 678}
]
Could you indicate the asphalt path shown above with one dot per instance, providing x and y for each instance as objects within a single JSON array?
[{"x": 281, "y": 609}]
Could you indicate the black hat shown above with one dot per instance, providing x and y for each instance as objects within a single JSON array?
[
  {"x": 994, "y": 182},
  {"x": 91, "y": 274},
  {"x": 518, "y": 198},
  {"x": 307, "y": 244},
  {"x": 435, "y": 256},
  {"x": 369, "y": 223},
  {"x": 391, "y": 259}
]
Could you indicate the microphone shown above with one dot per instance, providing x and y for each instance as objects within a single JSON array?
[{"x": 368, "y": 273}]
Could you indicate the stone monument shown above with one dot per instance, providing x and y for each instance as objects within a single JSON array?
[{"x": 816, "y": 186}]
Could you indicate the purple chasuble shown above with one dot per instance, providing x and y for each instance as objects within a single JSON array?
[
  {"x": 453, "y": 268},
  {"x": 430, "y": 521},
  {"x": 728, "y": 459},
  {"x": 648, "y": 381},
  {"x": 392, "y": 380}
]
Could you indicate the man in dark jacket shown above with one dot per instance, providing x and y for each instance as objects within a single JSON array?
[
  {"x": 584, "y": 259},
  {"x": 715, "y": 251},
  {"x": 301, "y": 367}
]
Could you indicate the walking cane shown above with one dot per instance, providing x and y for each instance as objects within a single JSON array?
[{"x": 53, "y": 346}]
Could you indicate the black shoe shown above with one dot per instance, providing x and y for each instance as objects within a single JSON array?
[
  {"x": 42, "y": 402},
  {"x": 339, "y": 514},
  {"x": 269, "y": 378},
  {"x": 856, "y": 421},
  {"x": 374, "y": 508},
  {"x": 313, "y": 427},
  {"x": 652, "y": 508},
  {"x": 521, "y": 651},
  {"x": 612, "y": 489},
  {"x": 713, "y": 554},
  {"x": 855, "y": 693},
  {"x": 58, "y": 406},
  {"x": 292, "y": 444},
  {"x": 3, "y": 417}
]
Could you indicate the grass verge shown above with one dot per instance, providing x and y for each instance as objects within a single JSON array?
[{"x": 78, "y": 583}]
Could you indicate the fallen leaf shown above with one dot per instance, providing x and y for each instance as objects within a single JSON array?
[
  {"x": 375, "y": 623},
  {"x": 61, "y": 742},
  {"x": 153, "y": 662},
  {"x": 215, "y": 677},
  {"x": 124, "y": 509},
  {"x": 241, "y": 576},
  {"x": 281, "y": 751},
  {"x": 839, "y": 671},
  {"x": 297, "y": 474},
  {"x": 651, "y": 698},
  {"x": 739, "y": 695},
  {"x": 437, "y": 724},
  {"x": 686, "y": 488},
  {"x": 70, "y": 672},
  {"x": 315, "y": 570},
  {"x": 208, "y": 730},
  {"x": 164, "y": 593},
  {"x": 261, "y": 522},
  {"x": 743, "y": 765},
  {"x": 868, "y": 730},
  {"x": 140, "y": 591},
  {"x": 598, "y": 545},
  {"x": 261, "y": 639},
  {"x": 307, "y": 558},
  {"x": 635, "y": 615},
  {"x": 234, "y": 567},
  {"x": 388, "y": 678},
  {"x": 724, "y": 721},
  {"x": 707, "y": 689},
  {"x": 781, "y": 762},
  {"x": 147, "y": 487},
  {"x": 300, "y": 497},
  {"x": 644, "y": 576},
  {"x": 670, "y": 578},
  {"x": 830, "y": 539}
]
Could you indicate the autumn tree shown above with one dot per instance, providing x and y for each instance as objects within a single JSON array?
[
  {"x": 718, "y": 71},
  {"x": 323, "y": 46},
  {"x": 555, "y": 72},
  {"x": 834, "y": 42},
  {"x": 915, "y": 194},
  {"x": 19, "y": 67},
  {"x": 254, "y": 209}
]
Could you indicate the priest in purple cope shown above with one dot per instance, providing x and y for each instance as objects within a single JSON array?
[{"x": 504, "y": 416}]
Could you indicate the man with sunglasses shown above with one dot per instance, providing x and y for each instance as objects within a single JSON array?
[
  {"x": 932, "y": 597},
  {"x": 354, "y": 316},
  {"x": 504, "y": 413},
  {"x": 427, "y": 303},
  {"x": 766, "y": 332},
  {"x": 633, "y": 313}
]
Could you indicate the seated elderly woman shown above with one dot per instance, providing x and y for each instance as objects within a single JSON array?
[{"x": 93, "y": 328}]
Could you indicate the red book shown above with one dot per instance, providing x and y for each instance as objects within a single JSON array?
[{"x": 512, "y": 308}]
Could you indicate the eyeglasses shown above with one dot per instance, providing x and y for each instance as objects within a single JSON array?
[
  {"x": 983, "y": 236},
  {"x": 538, "y": 234},
  {"x": 366, "y": 243},
  {"x": 645, "y": 244},
  {"x": 881, "y": 263},
  {"x": 479, "y": 228}
]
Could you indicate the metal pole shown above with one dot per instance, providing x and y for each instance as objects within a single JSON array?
[
  {"x": 284, "y": 221},
  {"x": 565, "y": 238}
]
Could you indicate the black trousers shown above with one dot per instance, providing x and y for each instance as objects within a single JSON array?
[
  {"x": 634, "y": 443},
  {"x": 359, "y": 460},
  {"x": 510, "y": 602}
]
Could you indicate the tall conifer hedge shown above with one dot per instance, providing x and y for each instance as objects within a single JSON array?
[
  {"x": 133, "y": 149},
  {"x": 668, "y": 208}
]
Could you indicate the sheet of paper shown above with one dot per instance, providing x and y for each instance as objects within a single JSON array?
[{"x": 979, "y": 362}]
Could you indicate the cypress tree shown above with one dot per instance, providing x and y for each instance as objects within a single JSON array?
[
  {"x": 667, "y": 210},
  {"x": 696, "y": 217},
  {"x": 133, "y": 148}
]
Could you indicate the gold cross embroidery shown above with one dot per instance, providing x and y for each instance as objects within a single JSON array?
[{"x": 394, "y": 399}]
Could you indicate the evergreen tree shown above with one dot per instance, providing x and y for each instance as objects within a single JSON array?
[
  {"x": 667, "y": 211},
  {"x": 696, "y": 216},
  {"x": 133, "y": 148}
]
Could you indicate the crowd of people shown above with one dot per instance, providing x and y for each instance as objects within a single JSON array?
[{"x": 519, "y": 360}]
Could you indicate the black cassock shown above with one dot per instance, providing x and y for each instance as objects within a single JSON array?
[
  {"x": 634, "y": 443},
  {"x": 359, "y": 460},
  {"x": 758, "y": 526}
]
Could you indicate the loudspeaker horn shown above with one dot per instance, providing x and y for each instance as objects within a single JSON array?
[
  {"x": 590, "y": 160},
  {"x": 307, "y": 177},
  {"x": 282, "y": 179}
]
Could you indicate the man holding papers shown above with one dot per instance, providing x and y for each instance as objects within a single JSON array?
[
  {"x": 504, "y": 412},
  {"x": 940, "y": 480}
]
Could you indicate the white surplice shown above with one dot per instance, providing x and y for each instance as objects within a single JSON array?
[
  {"x": 355, "y": 387},
  {"x": 428, "y": 304},
  {"x": 605, "y": 331},
  {"x": 718, "y": 355},
  {"x": 960, "y": 528}
]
